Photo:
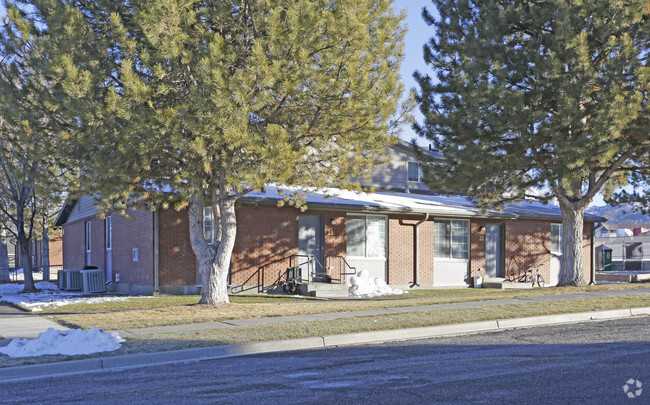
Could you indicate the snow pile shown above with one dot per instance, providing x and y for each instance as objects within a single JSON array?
[
  {"x": 49, "y": 297},
  {"x": 70, "y": 342},
  {"x": 362, "y": 286}
]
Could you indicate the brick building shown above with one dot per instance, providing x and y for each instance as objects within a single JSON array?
[{"x": 403, "y": 235}]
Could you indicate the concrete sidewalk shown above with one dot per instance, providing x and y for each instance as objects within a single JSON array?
[
  {"x": 15, "y": 323},
  {"x": 375, "y": 312},
  {"x": 114, "y": 363}
]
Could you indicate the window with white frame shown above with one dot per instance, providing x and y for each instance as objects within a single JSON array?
[
  {"x": 366, "y": 236},
  {"x": 88, "y": 243},
  {"x": 414, "y": 172},
  {"x": 209, "y": 226},
  {"x": 451, "y": 239},
  {"x": 556, "y": 239},
  {"x": 109, "y": 232}
]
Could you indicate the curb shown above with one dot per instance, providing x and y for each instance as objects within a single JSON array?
[{"x": 11, "y": 374}]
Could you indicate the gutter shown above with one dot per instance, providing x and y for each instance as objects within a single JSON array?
[{"x": 470, "y": 213}]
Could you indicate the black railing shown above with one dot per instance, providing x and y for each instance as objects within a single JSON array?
[
  {"x": 342, "y": 265},
  {"x": 260, "y": 282},
  {"x": 301, "y": 269}
]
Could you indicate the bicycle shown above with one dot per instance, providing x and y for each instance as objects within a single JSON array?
[{"x": 530, "y": 275}]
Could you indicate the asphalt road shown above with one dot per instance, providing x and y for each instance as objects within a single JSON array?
[{"x": 583, "y": 364}]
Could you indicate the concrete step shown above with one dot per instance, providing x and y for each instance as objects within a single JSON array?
[
  {"x": 623, "y": 277},
  {"x": 327, "y": 290},
  {"x": 493, "y": 282},
  {"x": 516, "y": 286}
]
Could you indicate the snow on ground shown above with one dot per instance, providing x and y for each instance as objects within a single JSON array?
[
  {"x": 363, "y": 286},
  {"x": 49, "y": 297},
  {"x": 69, "y": 342},
  {"x": 19, "y": 275}
]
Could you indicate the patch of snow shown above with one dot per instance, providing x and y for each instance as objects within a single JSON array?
[
  {"x": 363, "y": 286},
  {"x": 19, "y": 275},
  {"x": 69, "y": 342},
  {"x": 49, "y": 297}
]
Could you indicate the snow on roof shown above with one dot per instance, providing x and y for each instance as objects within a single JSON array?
[{"x": 446, "y": 205}]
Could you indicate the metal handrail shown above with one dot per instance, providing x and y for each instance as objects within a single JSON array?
[
  {"x": 260, "y": 280},
  {"x": 343, "y": 264}
]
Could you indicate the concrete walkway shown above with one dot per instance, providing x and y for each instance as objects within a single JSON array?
[
  {"x": 375, "y": 312},
  {"x": 15, "y": 323}
]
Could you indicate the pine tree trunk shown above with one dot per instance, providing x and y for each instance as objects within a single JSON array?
[
  {"x": 26, "y": 262},
  {"x": 214, "y": 261},
  {"x": 4, "y": 257},
  {"x": 45, "y": 252},
  {"x": 572, "y": 225}
]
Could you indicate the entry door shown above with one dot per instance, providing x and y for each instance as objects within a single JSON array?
[
  {"x": 310, "y": 243},
  {"x": 493, "y": 250}
]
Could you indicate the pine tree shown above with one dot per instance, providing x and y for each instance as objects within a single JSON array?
[
  {"x": 534, "y": 95},
  {"x": 186, "y": 103},
  {"x": 31, "y": 135}
]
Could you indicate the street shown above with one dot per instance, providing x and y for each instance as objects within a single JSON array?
[{"x": 581, "y": 363}]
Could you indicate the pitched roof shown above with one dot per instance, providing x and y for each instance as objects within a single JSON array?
[{"x": 387, "y": 202}]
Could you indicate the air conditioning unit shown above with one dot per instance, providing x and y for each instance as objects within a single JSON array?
[
  {"x": 72, "y": 279},
  {"x": 61, "y": 279},
  {"x": 94, "y": 281}
]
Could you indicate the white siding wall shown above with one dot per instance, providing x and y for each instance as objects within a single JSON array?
[{"x": 83, "y": 208}]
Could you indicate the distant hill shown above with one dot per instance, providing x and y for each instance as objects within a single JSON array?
[{"x": 622, "y": 214}]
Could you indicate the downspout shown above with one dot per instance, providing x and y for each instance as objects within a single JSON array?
[
  {"x": 416, "y": 250},
  {"x": 156, "y": 251}
]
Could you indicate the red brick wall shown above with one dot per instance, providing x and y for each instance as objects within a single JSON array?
[
  {"x": 177, "y": 263},
  {"x": 401, "y": 250},
  {"x": 56, "y": 251},
  {"x": 267, "y": 236},
  {"x": 130, "y": 233},
  {"x": 74, "y": 244},
  {"x": 529, "y": 241}
]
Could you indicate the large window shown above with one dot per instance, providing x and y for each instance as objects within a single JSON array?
[
  {"x": 451, "y": 239},
  {"x": 209, "y": 226},
  {"x": 366, "y": 236},
  {"x": 556, "y": 239},
  {"x": 414, "y": 172},
  {"x": 634, "y": 250}
]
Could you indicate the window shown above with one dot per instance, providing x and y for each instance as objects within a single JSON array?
[
  {"x": 366, "y": 236},
  {"x": 414, "y": 172},
  {"x": 209, "y": 226},
  {"x": 556, "y": 239},
  {"x": 634, "y": 250},
  {"x": 109, "y": 233},
  {"x": 451, "y": 239},
  {"x": 88, "y": 243}
]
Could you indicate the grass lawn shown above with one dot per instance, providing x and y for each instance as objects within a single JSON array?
[
  {"x": 176, "y": 310},
  {"x": 290, "y": 330}
]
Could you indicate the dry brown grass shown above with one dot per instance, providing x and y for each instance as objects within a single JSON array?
[
  {"x": 187, "y": 314},
  {"x": 291, "y": 330}
]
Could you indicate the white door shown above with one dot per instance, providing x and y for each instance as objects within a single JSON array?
[
  {"x": 310, "y": 243},
  {"x": 493, "y": 251},
  {"x": 556, "y": 254}
]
